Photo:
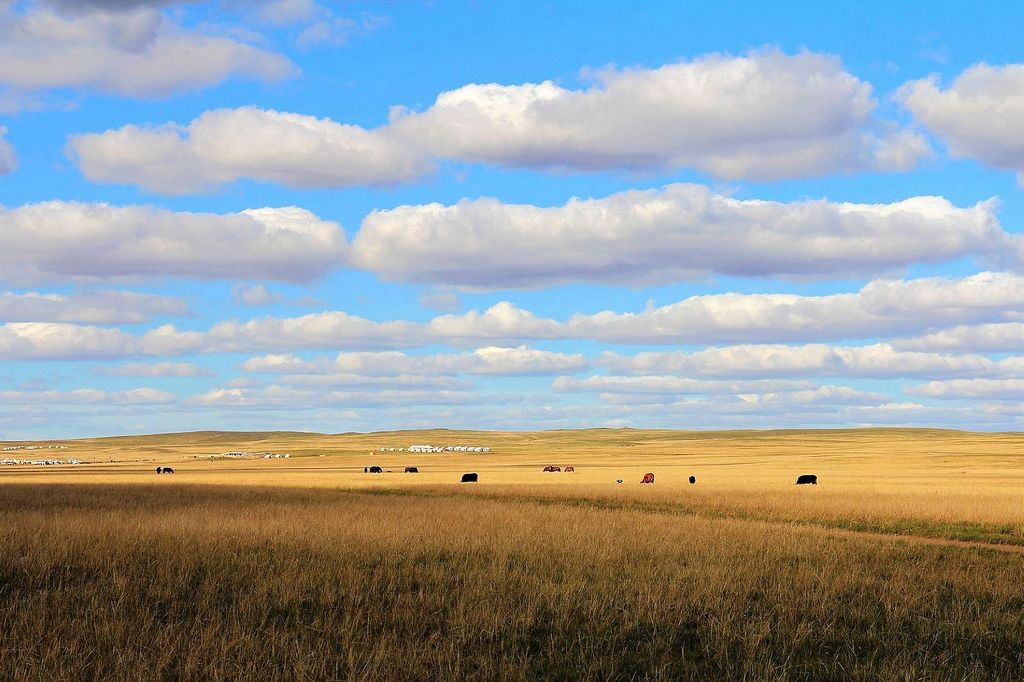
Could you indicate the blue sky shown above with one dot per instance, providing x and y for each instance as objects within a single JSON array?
[{"x": 290, "y": 214}]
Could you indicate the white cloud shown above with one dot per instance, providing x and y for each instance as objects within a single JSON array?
[
  {"x": 85, "y": 6},
  {"x": 672, "y": 385},
  {"x": 490, "y": 360},
  {"x": 293, "y": 398},
  {"x": 135, "y": 396},
  {"x": 8, "y": 158},
  {"x": 989, "y": 389},
  {"x": 255, "y": 296},
  {"x": 724, "y": 396},
  {"x": 822, "y": 395},
  {"x": 766, "y": 115},
  {"x": 995, "y": 337},
  {"x": 99, "y": 307},
  {"x": 156, "y": 369},
  {"x": 523, "y": 360},
  {"x": 658, "y": 236},
  {"x": 979, "y": 116},
  {"x": 218, "y": 147},
  {"x": 43, "y": 340},
  {"x": 503, "y": 322},
  {"x": 65, "y": 240},
  {"x": 133, "y": 52},
  {"x": 763, "y": 116},
  {"x": 327, "y": 330},
  {"x": 880, "y": 308},
  {"x": 879, "y": 360}
]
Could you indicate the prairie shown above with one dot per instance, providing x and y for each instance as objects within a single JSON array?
[{"x": 905, "y": 562}]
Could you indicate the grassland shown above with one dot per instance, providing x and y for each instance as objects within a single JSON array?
[{"x": 905, "y": 562}]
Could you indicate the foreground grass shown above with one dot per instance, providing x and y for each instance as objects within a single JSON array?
[
  {"x": 997, "y": 519},
  {"x": 184, "y": 581}
]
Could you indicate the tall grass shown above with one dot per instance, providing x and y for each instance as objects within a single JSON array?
[{"x": 178, "y": 581}]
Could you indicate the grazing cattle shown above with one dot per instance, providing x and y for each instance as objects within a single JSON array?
[
  {"x": 648, "y": 478},
  {"x": 469, "y": 478},
  {"x": 693, "y": 479},
  {"x": 376, "y": 470},
  {"x": 618, "y": 480},
  {"x": 411, "y": 470},
  {"x": 159, "y": 470},
  {"x": 366, "y": 470},
  {"x": 552, "y": 468},
  {"x": 805, "y": 479},
  {"x": 168, "y": 470},
  {"x": 568, "y": 469}
]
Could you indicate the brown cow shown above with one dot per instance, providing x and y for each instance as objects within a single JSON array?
[
  {"x": 648, "y": 478},
  {"x": 568, "y": 469},
  {"x": 552, "y": 468}
]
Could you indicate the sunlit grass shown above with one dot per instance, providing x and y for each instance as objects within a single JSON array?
[{"x": 310, "y": 569}]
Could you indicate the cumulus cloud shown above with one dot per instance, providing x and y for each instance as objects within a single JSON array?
[
  {"x": 995, "y": 337},
  {"x": 218, "y": 147},
  {"x": 490, "y": 360},
  {"x": 100, "y": 307},
  {"x": 502, "y": 323},
  {"x": 878, "y": 360},
  {"x": 979, "y": 116},
  {"x": 135, "y": 51},
  {"x": 764, "y": 116},
  {"x": 954, "y": 389},
  {"x": 156, "y": 369},
  {"x": 657, "y": 236},
  {"x": 135, "y": 396},
  {"x": 292, "y": 398},
  {"x": 113, "y": 5},
  {"x": 255, "y": 296},
  {"x": 48, "y": 340},
  {"x": 752, "y": 395},
  {"x": 68, "y": 240},
  {"x": 880, "y": 308},
  {"x": 672, "y": 385},
  {"x": 8, "y": 158}
]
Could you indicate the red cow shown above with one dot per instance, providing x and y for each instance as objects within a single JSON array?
[{"x": 648, "y": 478}]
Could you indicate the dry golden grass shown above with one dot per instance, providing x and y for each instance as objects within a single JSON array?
[{"x": 903, "y": 563}]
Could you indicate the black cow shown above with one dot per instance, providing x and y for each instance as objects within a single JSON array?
[
  {"x": 168, "y": 470},
  {"x": 159, "y": 470},
  {"x": 366, "y": 470},
  {"x": 376, "y": 470},
  {"x": 469, "y": 478},
  {"x": 805, "y": 479},
  {"x": 411, "y": 470},
  {"x": 693, "y": 479}
]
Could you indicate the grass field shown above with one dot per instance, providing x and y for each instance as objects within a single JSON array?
[{"x": 905, "y": 562}]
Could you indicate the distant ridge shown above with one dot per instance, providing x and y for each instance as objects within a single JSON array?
[{"x": 446, "y": 435}]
